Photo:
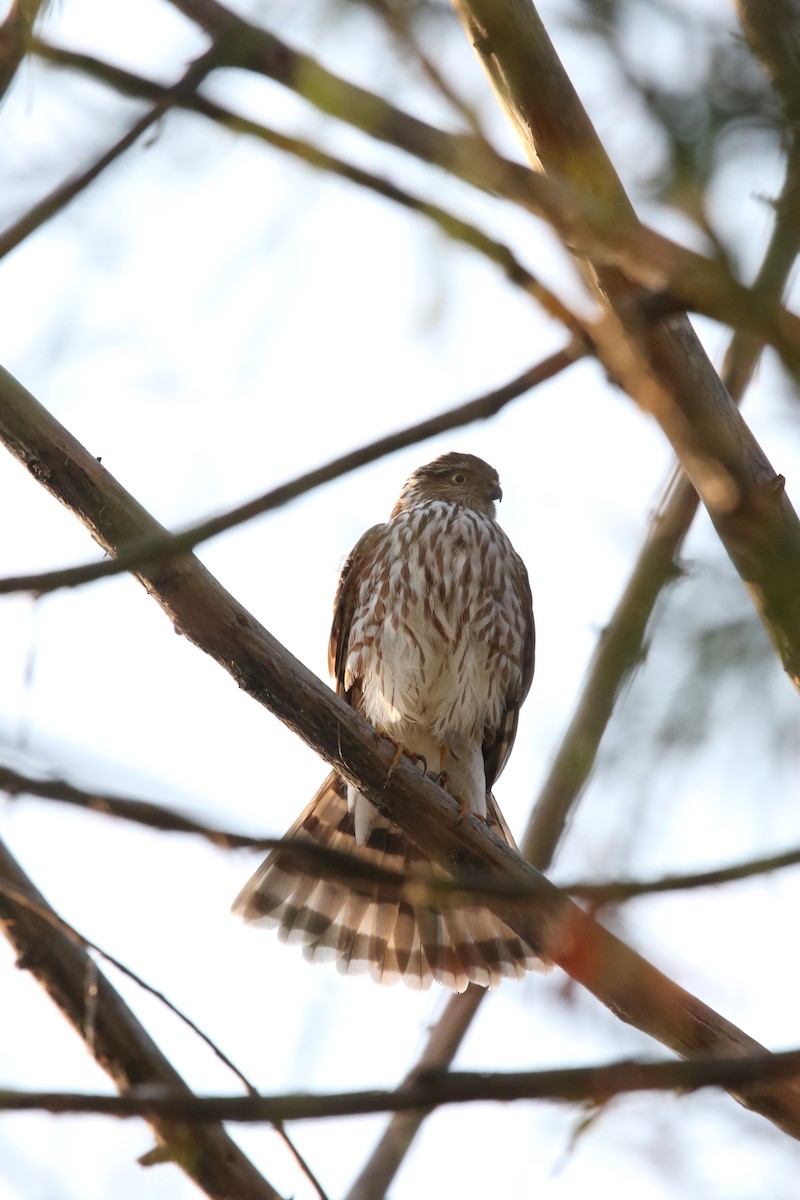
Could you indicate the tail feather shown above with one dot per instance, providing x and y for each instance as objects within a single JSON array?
[{"x": 373, "y": 928}]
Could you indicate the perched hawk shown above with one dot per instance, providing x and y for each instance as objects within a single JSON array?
[{"x": 432, "y": 642}]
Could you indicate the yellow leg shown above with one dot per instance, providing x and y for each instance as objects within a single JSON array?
[{"x": 400, "y": 751}]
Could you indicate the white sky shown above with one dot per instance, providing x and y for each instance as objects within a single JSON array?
[{"x": 212, "y": 319}]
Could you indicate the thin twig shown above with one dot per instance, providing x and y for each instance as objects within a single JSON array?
[
  {"x": 26, "y": 901},
  {"x": 143, "y": 812},
  {"x": 45, "y": 913},
  {"x": 592, "y": 1085},
  {"x": 695, "y": 283},
  {"x": 400, "y": 25},
  {"x": 61, "y": 196},
  {"x": 163, "y": 547},
  {"x": 610, "y": 235},
  {"x": 423, "y": 885},
  {"x": 448, "y": 223}
]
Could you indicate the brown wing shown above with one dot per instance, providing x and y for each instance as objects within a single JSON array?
[
  {"x": 497, "y": 743},
  {"x": 344, "y": 605}
]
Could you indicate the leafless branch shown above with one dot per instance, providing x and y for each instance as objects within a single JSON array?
[
  {"x": 694, "y": 282},
  {"x": 620, "y": 890},
  {"x": 773, "y": 32},
  {"x": 210, "y": 617},
  {"x": 400, "y": 25},
  {"x": 622, "y": 644},
  {"x": 330, "y": 863},
  {"x": 162, "y": 546},
  {"x": 61, "y": 196},
  {"x": 143, "y": 812},
  {"x": 592, "y": 1085},
  {"x": 449, "y": 224},
  {"x": 608, "y": 234},
  {"x": 120, "y": 1044},
  {"x": 24, "y": 900},
  {"x": 35, "y": 906}
]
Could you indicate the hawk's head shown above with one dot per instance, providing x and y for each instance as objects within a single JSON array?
[{"x": 455, "y": 478}]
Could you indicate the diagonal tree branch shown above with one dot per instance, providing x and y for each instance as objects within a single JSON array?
[
  {"x": 692, "y": 281},
  {"x": 143, "y": 812},
  {"x": 210, "y": 617},
  {"x": 773, "y": 33},
  {"x": 121, "y": 1046}
]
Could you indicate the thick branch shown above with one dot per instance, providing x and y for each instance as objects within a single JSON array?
[
  {"x": 16, "y": 34},
  {"x": 618, "y": 653},
  {"x": 210, "y": 617},
  {"x": 773, "y": 31}
]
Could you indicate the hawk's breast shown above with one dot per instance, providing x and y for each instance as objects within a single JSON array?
[{"x": 438, "y": 630}]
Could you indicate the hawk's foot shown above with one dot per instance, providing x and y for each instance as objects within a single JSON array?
[
  {"x": 463, "y": 804},
  {"x": 400, "y": 751}
]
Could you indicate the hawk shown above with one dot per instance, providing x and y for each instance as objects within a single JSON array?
[{"x": 433, "y": 643}]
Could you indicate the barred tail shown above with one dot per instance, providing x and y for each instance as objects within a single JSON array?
[{"x": 369, "y": 927}]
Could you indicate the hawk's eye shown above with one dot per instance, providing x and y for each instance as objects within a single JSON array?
[{"x": 458, "y": 477}]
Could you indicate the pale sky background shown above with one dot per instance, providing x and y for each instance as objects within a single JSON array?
[{"x": 212, "y": 318}]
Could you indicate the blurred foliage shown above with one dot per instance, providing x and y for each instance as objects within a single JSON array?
[
  {"x": 705, "y": 93},
  {"x": 709, "y": 680}
]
